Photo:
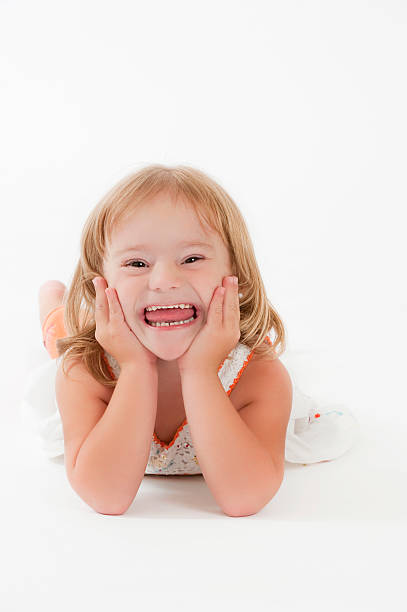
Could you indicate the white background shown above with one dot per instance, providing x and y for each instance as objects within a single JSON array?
[{"x": 298, "y": 110}]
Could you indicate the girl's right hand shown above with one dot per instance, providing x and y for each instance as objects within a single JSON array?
[{"x": 112, "y": 331}]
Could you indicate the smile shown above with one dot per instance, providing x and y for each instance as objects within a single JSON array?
[{"x": 168, "y": 326}]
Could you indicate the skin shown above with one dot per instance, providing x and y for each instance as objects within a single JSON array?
[{"x": 166, "y": 274}]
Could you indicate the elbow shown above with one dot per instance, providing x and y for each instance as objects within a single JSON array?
[
  {"x": 244, "y": 510},
  {"x": 112, "y": 509},
  {"x": 248, "y": 505},
  {"x": 106, "y": 504},
  {"x": 238, "y": 512}
]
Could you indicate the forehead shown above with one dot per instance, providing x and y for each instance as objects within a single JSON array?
[{"x": 162, "y": 220}]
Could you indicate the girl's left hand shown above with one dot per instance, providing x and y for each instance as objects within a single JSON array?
[{"x": 220, "y": 333}]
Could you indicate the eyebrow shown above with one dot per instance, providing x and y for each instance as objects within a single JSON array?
[{"x": 145, "y": 247}]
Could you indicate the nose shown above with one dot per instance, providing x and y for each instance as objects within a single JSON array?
[{"x": 164, "y": 278}]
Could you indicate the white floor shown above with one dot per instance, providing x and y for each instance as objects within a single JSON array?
[{"x": 333, "y": 537}]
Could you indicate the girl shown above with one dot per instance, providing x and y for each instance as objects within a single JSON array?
[{"x": 162, "y": 364}]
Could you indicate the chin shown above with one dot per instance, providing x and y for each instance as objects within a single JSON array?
[{"x": 169, "y": 351}]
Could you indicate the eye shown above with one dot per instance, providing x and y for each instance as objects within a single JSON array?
[
  {"x": 128, "y": 264},
  {"x": 131, "y": 262},
  {"x": 193, "y": 257}
]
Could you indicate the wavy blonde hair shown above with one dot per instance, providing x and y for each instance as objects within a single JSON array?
[{"x": 213, "y": 205}]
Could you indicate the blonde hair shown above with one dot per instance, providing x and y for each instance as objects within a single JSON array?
[{"x": 211, "y": 203}]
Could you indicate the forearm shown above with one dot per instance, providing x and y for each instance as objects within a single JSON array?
[
  {"x": 111, "y": 462},
  {"x": 237, "y": 468}
]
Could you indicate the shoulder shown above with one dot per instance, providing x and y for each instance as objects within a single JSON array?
[
  {"x": 76, "y": 373},
  {"x": 261, "y": 377},
  {"x": 269, "y": 370}
]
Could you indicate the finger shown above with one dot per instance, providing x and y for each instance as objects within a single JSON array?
[
  {"x": 101, "y": 304},
  {"x": 231, "y": 313},
  {"x": 115, "y": 308},
  {"x": 215, "y": 314}
]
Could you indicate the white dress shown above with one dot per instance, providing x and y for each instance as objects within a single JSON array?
[{"x": 315, "y": 432}]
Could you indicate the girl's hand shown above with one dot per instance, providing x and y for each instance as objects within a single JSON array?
[
  {"x": 112, "y": 331},
  {"x": 220, "y": 334}
]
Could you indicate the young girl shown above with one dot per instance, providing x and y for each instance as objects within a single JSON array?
[{"x": 162, "y": 364}]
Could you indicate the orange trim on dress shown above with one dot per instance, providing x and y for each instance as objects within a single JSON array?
[{"x": 112, "y": 375}]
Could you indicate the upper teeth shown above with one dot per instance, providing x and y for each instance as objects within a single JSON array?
[{"x": 173, "y": 306}]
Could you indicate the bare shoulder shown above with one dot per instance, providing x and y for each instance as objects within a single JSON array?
[
  {"x": 261, "y": 374},
  {"x": 76, "y": 374},
  {"x": 273, "y": 368},
  {"x": 82, "y": 402}
]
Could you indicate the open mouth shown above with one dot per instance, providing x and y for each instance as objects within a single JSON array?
[{"x": 185, "y": 321}]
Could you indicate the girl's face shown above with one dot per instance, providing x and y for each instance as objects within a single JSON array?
[{"x": 149, "y": 261}]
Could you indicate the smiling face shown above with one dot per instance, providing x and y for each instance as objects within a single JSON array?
[{"x": 165, "y": 271}]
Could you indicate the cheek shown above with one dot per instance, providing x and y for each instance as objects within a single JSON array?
[
  {"x": 127, "y": 302},
  {"x": 127, "y": 290}
]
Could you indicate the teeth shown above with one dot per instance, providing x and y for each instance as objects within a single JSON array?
[
  {"x": 171, "y": 324},
  {"x": 150, "y": 308}
]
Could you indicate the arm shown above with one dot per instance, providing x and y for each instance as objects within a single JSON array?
[
  {"x": 111, "y": 462},
  {"x": 238, "y": 469}
]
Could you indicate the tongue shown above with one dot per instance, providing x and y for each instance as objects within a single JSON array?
[{"x": 168, "y": 315}]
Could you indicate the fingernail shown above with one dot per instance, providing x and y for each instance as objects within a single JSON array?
[
  {"x": 94, "y": 282},
  {"x": 234, "y": 279}
]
